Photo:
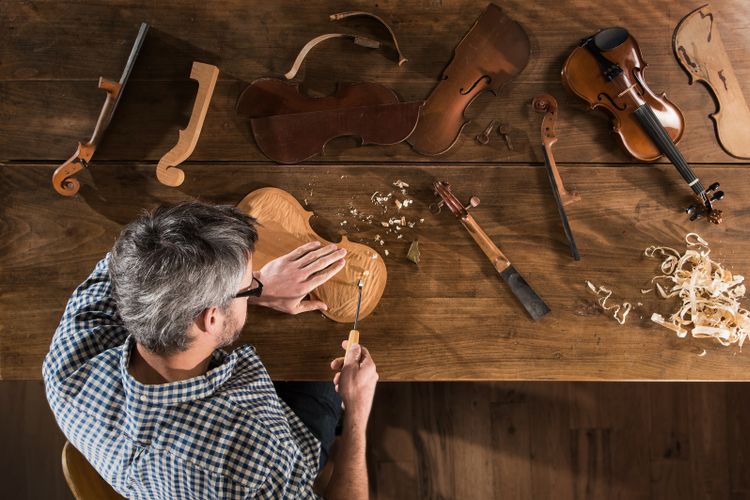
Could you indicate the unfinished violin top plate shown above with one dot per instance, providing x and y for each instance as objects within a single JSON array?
[{"x": 285, "y": 225}]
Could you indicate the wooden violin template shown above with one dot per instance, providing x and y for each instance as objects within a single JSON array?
[
  {"x": 606, "y": 71},
  {"x": 167, "y": 171},
  {"x": 290, "y": 127},
  {"x": 698, "y": 47},
  {"x": 547, "y": 105},
  {"x": 284, "y": 225},
  {"x": 533, "y": 304},
  {"x": 63, "y": 179},
  {"x": 494, "y": 51}
]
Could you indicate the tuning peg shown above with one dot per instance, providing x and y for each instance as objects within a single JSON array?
[
  {"x": 436, "y": 208},
  {"x": 473, "y": 202}
]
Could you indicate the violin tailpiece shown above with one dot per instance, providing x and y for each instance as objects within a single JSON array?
[
  {"x": 167, "y": 171},
  {"x": 494, "y": 51},
  {"x": 700, "y": 51}
]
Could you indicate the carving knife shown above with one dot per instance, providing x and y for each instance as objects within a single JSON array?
[{"x": 354, "y": 333}]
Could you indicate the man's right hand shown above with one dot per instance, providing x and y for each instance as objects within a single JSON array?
[{"x": 355, "y": 380}]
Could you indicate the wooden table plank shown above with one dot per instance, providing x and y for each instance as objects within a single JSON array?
[
  {"x": 49, "y": 100},
  {"x": 449, "y": 317}
]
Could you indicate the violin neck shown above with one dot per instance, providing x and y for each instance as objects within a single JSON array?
[{"x": 656, "y": 132}]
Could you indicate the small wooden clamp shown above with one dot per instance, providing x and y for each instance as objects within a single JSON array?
[{"x": 167, "y": 171}]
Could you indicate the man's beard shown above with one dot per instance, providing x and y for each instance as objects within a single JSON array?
[{"x": 231, "y": 333}]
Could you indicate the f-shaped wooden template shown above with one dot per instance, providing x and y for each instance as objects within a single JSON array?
[{"x": 167, "y": 171}]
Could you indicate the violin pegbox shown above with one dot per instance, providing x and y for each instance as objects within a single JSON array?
[
  {"x": 704, "y": 208},
  {"x": 447, "y": 198}
]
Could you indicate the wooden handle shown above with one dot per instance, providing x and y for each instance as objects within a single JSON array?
[
  {"x": 166, "y": 171},
  {"x": 489, "y": 248},
  {"x": 353, "y": 339}
]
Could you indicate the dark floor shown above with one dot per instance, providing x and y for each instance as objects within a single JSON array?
[{"x": 491, "y": 440}]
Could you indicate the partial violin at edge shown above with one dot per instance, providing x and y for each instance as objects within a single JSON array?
[{"x": 698, "y": 47}]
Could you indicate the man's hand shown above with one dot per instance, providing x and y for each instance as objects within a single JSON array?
[
  {"x": 288, "y": 279},
  {"x": 355, "y": 380}
]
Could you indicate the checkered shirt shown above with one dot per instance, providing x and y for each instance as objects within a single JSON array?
[{"x": 225, "y": 434}]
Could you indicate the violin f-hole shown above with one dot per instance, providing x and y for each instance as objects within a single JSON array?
[{"x": 473, "y": 86}]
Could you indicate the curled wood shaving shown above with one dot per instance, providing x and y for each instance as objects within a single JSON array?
[
  {"x": 710, "y": 293},
  {"x": 605, "y": 293}
]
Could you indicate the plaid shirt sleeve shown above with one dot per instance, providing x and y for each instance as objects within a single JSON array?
[
  {"x": 90, "y": 325},
  {"x": 224, "y": 434}
]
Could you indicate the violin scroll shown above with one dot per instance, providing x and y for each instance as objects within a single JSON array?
[
  {"x": 547, "y": 105},
  {"x": 443, "y": 189}
]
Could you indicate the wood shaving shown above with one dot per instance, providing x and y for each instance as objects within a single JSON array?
[
  {"x": 400, "y": 184},
  {"x": 603, "y": 294},
  {"x": 710, "y": 293},
  {"x": 413, "y": 253}
]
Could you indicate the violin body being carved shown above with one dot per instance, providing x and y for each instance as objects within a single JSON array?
[
  {"x": 284, "y": 225},
  {"x": 698, "y": 47},
  {"x": 494, "y": 51},
  {"x": 290, "y": 127}
]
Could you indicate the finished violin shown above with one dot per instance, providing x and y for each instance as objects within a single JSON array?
[{"x": 606, "y": 70}]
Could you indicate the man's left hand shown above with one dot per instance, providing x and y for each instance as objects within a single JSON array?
[{"x": 288, "y": 279}]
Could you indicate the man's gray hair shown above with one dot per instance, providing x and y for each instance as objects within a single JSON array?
[{"x": 170, "y": 265}]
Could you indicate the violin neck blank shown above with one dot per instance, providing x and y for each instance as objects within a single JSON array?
[{"x": 656, "y": 132}]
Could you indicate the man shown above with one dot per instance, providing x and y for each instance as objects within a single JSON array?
[{"x": 138, "y": 381}]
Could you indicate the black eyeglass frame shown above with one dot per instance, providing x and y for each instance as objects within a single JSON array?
[{"x": 251, "y": 292}]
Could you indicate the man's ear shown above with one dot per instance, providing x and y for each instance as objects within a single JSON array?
[{"x": 211, "y": 320}]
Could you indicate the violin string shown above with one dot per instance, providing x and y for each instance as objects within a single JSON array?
[{"x": 653, "y": 126}]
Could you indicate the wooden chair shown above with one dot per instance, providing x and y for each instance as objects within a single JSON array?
[{"x": 83, "y": 480}]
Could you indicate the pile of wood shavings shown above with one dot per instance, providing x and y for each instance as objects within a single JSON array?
[
  {"x": 603, "y": 294},
  {"x": 710, "y": 293}
]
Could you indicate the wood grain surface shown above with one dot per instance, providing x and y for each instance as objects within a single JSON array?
[
  {"x": 482, "y": 441},
  {"x": 448, "y": 318}
]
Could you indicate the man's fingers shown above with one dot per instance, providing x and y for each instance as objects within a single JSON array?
[
  {"x": 365, "y": 356},
  {"x": 352, "y": 355},
  {"x": 311, "y": 305},
  {"x": 302, "y": 250},
  {"x": 336, "y": 379},
  {"x": 337, "y": 363},
  {"x": 315, "y": 254},
  {"x": 325, "y": 261},
  {"x": 321, "y": 277}
]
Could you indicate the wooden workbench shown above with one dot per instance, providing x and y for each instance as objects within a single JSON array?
[{"x": 448, "y": 318}]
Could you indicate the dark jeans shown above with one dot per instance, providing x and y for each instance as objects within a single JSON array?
[{"x": 318, "y": 405}]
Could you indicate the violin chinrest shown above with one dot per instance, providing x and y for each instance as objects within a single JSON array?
[{"x": 285, "y": 225}]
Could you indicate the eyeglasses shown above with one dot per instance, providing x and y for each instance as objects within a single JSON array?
[{"x": 251, "y": 292}]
